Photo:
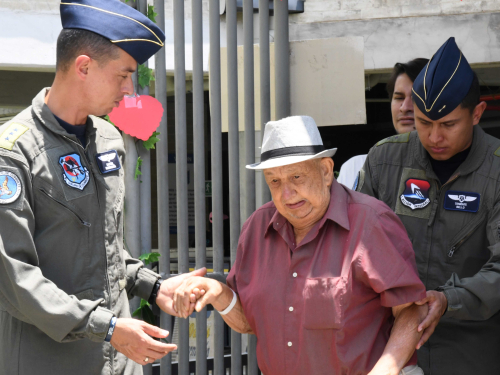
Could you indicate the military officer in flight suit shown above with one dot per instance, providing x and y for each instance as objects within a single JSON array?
[
  {"x": 443, "y": 181},
  {"x": 64, "y": 276}
]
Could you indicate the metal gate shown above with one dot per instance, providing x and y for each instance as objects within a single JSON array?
[{"x": 138, "y": 195}]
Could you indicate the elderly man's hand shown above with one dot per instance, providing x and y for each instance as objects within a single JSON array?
[
  {"x": 133, "y": 339},
  {"x": 437, "y": 306},
  {"x": 168, "y": 287},
  {"x": 195, "y": 293}
]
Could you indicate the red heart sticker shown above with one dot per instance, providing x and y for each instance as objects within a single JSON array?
[{"x": 138, "y": 116}]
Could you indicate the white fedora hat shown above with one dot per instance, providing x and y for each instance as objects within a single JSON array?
[{"x": 291, "y": 140}]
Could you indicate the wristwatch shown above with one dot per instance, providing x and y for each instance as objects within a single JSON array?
[
  {"x": 111, "y": 329},
  {"x": 154, "y": 293}
]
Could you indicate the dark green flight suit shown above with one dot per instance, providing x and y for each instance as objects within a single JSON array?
[
  {"x": 455, "y": 231},
  {"x": 63, "y": 270}
]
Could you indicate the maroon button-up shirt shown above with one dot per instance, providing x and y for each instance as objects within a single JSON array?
[{"x": 324, "y": 307}]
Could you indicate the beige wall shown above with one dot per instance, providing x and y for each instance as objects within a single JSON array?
[{"x": 350, "y": 10}]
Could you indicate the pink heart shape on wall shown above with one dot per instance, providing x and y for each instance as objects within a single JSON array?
[{"x": 138, "y": 116}]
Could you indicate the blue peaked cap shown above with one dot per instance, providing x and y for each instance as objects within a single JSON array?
[
  {"x": 124, "y": 26},
  {"x": 444, "y": 82}
]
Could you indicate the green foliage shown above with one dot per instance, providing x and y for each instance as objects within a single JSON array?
[
  {"x": 150, "y": 143},
  {"x": 149, "y": 258},
  {"x": 108, "y": 120},
  {"x": 145, "y": 76},
  {"x": 151, "y": 13},
  {"x": 336, "y": 174},
  {"x": 144, "y": 311},
  {"x": 138, "y": 168}
]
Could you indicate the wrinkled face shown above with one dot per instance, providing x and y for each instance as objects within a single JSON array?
[
  {"x": 402, "y": 105},
  {"x": 107, "y": 84},
  {"x": 301, "y": 191},
  {"x": 449, "y": 135}
]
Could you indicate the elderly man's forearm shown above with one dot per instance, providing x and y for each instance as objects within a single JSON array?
[
  {"x": 236, "y": 318},
  {"x": 404, "y": 336}
]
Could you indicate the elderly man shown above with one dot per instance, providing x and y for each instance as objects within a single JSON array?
[{"x": 323, "y": 274}]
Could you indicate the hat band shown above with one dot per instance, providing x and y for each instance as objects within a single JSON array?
[{"x": 291, "y": 151}]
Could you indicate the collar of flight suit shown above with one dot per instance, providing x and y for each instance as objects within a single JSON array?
[
  {"x": 46, "y": 117},
  {"x": 474, "y": 160}
]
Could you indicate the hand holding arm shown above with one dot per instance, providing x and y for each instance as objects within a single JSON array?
[
  {"x": 403, "y": 339},
  {"x": 209, "y": 291},
  {"x": 168, "y": 287},
  {"x": 437, "y": 306}
]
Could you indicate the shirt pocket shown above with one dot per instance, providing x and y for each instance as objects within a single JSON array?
[{"x": 324, "y": 302}]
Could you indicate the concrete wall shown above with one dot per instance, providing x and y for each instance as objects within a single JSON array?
[{"x": 350, "y": 10}]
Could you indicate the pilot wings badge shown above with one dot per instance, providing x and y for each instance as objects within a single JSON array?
[
  {"x": 108, "y": 161},
  {"x": 416, "y": 194},
  {"x": 462, "y": 201}
]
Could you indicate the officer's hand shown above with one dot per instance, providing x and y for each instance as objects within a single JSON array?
[
  {"x": 437, "y": 306},
  {"x": 131, "y": 337},
  {"x": 168, "y": 287}
]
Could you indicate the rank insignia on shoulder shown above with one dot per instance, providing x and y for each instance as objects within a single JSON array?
[
  {"x": 75, "y": 174},
  {"x": 10, "y": 187},
  {"x": 398, "y": 138},
  {"x": 11, "y": 134},
  {"x": 462, "y": 201},
  {"x": 416, "y": 194},
  {"x": 108, "y": 161}
]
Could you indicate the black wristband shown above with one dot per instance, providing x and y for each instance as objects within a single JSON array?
[{"x": 154, "y": 293}]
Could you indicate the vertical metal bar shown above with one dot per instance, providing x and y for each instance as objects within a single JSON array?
[
  {"x": 265, "y": 80},
  {"x": 132, "y": 203},
  {"x": 145, "y": 185},
  {"x": 248, "y": 79},
  {"x": 234, "y": 172},
  {"x": 216, "y": 154},
  {"x": 248, "y": 82},
  {"x": 282, "y": 58},
  {"x": 132, "y": 233},
  {"x": 181, "y": 171},
  {"x": 162, "y": 178},
  {"x": 199, "y": 175}
]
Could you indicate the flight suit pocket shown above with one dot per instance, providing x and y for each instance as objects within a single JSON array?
[{"x": 324, "y": 302}]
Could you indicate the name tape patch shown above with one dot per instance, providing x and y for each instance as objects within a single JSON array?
[
  {"x": 462, "y": 201},
  {"x": 75, "y": 175},
  {"x": 108, "y": 161},
  {"x": 416, "y": 194},
  {"x": 10, "y": 187}
]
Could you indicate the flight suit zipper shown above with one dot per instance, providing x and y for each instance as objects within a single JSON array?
[
  {"x": 108, "y": 284},
  {"x": 86, "y": 223},
  {"x": 460, "y": 242}
]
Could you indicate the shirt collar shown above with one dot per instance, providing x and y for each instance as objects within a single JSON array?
[
  {"x": 474, "y": 160},
  {"x": 337, "y": 210},
  {"x": 47, "y": 118}
]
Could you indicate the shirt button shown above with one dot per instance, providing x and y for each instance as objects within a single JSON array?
[
  {"x": 289, "y": 343},
  {"x": 295, "y": 274},
  {"x": 290, "y": 308}
]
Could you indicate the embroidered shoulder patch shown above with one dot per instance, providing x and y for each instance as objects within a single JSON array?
[
  {"x": 10, "y": 187},
  {"x": 399, "y": 138}
]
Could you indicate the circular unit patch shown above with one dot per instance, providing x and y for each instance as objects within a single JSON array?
[{"x": 10, "y": 187}]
